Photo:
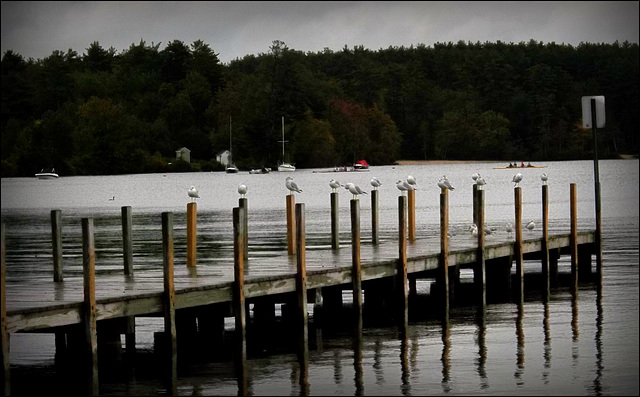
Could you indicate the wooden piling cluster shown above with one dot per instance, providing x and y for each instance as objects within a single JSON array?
[{"x": 446, "y": 273}]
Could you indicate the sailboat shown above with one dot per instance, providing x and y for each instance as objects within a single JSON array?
[
  {"x": 284, "y": 166},
  {"x": 231, "y": 168}
]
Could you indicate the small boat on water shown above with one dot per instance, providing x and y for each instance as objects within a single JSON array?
[
  {"x": 361, "y": 165},
  {"x": 519, "y": 167},
  {"x": 285, "y": 166},
  {"x": 263, "y": 170},
  {"x": 47, "y": 175}
]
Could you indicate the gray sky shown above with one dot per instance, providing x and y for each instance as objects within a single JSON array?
[{"x": 234, "y": 29}]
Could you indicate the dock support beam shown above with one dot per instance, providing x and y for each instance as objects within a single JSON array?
[
  {"x": 411, "y": 195},
  {"x": 518, "y": 247},
  {"x": 191, "y": 234},
  {"x": 479, "y": 274},
  {"x": 301, "y": 284},
  {"x": 443, "y": 267},
  {"x": 89, "y": 305},
  {"x": 401, "y": 272},
  {"x": 291, "y": 224},
  {"x": 127, "y": 256},
  {"x": 375, "y": 234},
  {"x": 573, "y": 237},
  {"x": 239, "y": 307},
  {"x": 335, "y": 222},
  {"x": 170, "y": 339},
  {"x": 243, "y": 204},
  {"x": 356, "y": 269},
  {"x": 56, "y": 242}
]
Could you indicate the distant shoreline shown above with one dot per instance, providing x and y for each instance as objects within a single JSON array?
[{"x": 428, "y": 162}]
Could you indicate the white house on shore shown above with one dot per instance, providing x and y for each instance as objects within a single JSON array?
[
  {"x": 183, "y": 154},
  {"x": 223, "y": 157}
]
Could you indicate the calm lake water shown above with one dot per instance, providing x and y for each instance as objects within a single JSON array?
[{"x": 583, "y": 346}]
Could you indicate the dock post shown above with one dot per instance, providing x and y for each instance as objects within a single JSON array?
[
  {"x": 291, "y": 224},
  {"x": 191, "y": 234},
  {"x": 335, "y": 222},
  {"x": 598, "y": 203},
  {"x": 443, "y": 267},
  {"x": 545, "y": 243},
  {"x": 479, "y": 270},
  {"x": 4, "y": 337},
  {"x": 356, "y": 272},
  {"x": 411, "y": 195},
  {"x": 89, "y": 305},
  {"x": 238, "y": 287},
  {"x": 170, "y": 338},
  {"x": 301, "y": 282},
  {"x": 401, "y": 272},
  {"x": 127, "y": 241},
  {"x": 518, "y": 247},
  {"x": 243, "y": 204},
  {"x": 475, "y": 203},
  {"x": 56, "y": 242},
  {"x": 573, "y": 238},
  {"x": 375, "y": 233}
]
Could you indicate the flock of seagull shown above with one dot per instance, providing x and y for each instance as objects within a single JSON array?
[{"x": 402, "y": 185}]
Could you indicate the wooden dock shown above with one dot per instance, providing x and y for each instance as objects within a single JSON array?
[{"x": 381, "y": 275}]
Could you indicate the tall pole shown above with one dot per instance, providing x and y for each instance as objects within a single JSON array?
[{"x": 596, "y": 175}]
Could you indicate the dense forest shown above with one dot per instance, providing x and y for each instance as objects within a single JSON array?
[{"x": 104, "y": 112}]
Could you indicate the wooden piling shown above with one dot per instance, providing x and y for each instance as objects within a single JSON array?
[
  {"x": 56, "y": 243},
  {"x": 375, "y": 233},
  {"x": 356, "y": 272},
  {"x": 573, "y": 237},
  {"x": 443, "y": 266},
  {"x": 89, "y": 304},
  {"x": 169, "y": 298},
  {"x": 238, "y": 285},
  {"x": 475, "y": 202},
  {"x": 479, "y": 270},
  {"x": 519, "y": 284},
  {"x": 191, "y": 234},
  {"x": 243, "y": 204},
  {"x": 4, "y": 333},
  {"x": 545, "y": 243},
  {"x": 301, "y": 281},
  {"x": 598, "y": 202},
  {"x": 411, "y": 195},
  {"x": 401, "y": 272},
  {"x": 127, "y": 240},
  {"x": 335, "y": 222},
  {"x": 291, "y": 224}
]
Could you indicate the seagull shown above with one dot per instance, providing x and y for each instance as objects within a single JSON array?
[
  {"x": 242, "y": 189},
  {"x": 411, "y": 180},
  {"x": 334, "y": 184},
  {"x": 444, "y": 183},
  {"x": 488, "y": 230},
  {"x": 475, "y": 176},
  {"x": 291, "y": 185},
  {"x": 409, "y": 186},
  {"x": 544, "y": 178},
  {"x": 112, "y": 198},
  {"x": 193, "y": 193},
  {"x": 375, "y": 182},
  {"x": 354, "y": 189},
  {"x": 480, "y": 181},
  {"x": 474, "y": 230},
  {"x": 401, "y": 186},
  {"x": 516, "y": 179},
  {"x": 531, "y": 225}
]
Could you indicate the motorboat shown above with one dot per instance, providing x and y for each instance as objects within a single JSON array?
[
  {"x": 47, "y": 175},
  {"x": 361, "y": 165}
]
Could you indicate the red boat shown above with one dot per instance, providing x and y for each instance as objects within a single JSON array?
[{"x": 361, "y": 165}]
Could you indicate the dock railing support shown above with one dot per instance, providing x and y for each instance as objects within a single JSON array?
[
  {"x": 518, "y": 247},
  {"x": 335, "y": 222},
  {"x": 479, "y": 270},
  {"x": 573, "y": 238},
  {"x": 545, "y": 243},
  {"x": 443, "y": 267},
  {"x": 301, "y": 283},
  {"x": 238, "y": 286},
  {"x": 56, "y": 242},
  {"x": 356, "y": 272},
  {"x": 411, "y": 195},
  {"x": 375, "y": 233},
  {"x": 89, "y": 304},
  {"x": 243, "y": 204},
  {"x": 401, "y": 272},
  {"x": 191, "y": 234},
  {"x": 170, "y": 339},
  {"x": 291, "y": 224}
]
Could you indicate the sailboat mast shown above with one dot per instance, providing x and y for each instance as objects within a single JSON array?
[{"x": 230, "y": 143}]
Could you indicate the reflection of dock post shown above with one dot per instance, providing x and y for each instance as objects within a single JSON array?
[
  {"x": 411, "y": 195},
  {"x": 335, "y": 229},
  {"x": 356, "y": 272},
  {"x": 191, "y": 234},
  {"x": 301, "y": 283},
  {"x": 573, "y": 237},
  {"x": 169, "y": 298},
  {"x": 56, "y": 242},
  {"x": 374, "y": 217},
  {"x": 479, "y": 274},
  {"x": 443, "y": 266},
  {"x": 89, "y": 304},
  {"x": 291, "y": 224},
  {"x": 518, "y": 247},
  {"x": 401, "y": 272},
  {"x": 4, "y": 337},
  {"x": 545, "y": 242}
]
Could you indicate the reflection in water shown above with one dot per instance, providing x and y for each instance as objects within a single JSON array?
[
  {"x": 357, "y": 361},
  {"x": 377, "y": 362},
  {"x": 547, "y": 345},
  {"x": 574, "y": 327},
  {"x": 337, "y": 367},
  {"x": 520, "y": 350},
  {"x": 481, "y": 332},
  {"x": 597, "y": 382},
  {"x": 405, "y": 388},
  {"x": 446, "y": 351}
]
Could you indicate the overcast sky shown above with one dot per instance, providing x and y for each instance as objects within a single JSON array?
[{"x": 234, "y": 29}]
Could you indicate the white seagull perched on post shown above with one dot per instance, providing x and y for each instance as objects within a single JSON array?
[
  {"x": 480, "y": 182},
  {"x": 242, "y": 189},
  {"x": 475, "y": 176},
  {"x": 401, "y": 186},
  {"x": 444, "y": 183},
  {"x": 544, "y": 178},
  {"x": 291, "y": 185},
  {"x": 411, "y": 181},
  {"x": 516, "y": 179},
  {"x": 193, "y": 193},
  {"x": 334, "y": 185},
  {"x": 375, "y": 182},
  {"x": 354, "y": 189}
]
